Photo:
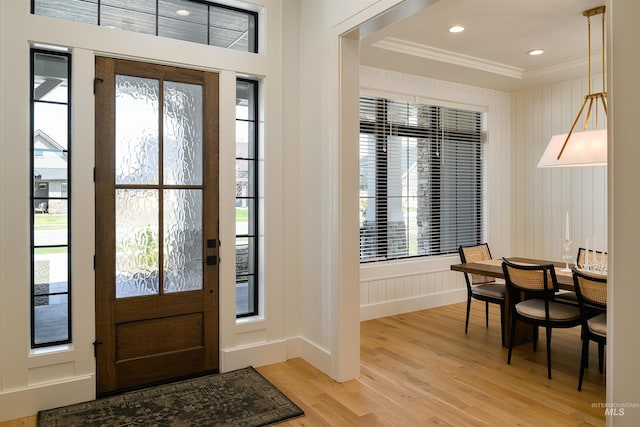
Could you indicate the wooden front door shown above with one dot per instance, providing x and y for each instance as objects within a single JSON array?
[{"x": 156, "y": 223}]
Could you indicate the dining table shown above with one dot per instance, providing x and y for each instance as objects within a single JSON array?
[{"x": 493, "y": 268}]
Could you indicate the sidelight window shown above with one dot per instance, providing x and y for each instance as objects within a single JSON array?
[
  {"x": 247, "y": 206},
  {"x": 50, "y": 198}
]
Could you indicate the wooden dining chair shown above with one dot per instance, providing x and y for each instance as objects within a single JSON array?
[
  {"x": 592, "y": 299},
  {"x": 482, "y": 288},
  {"x": 601, "y": 257},
  {"x": 570, "y": 296},
  {"x": 538, "y": 284}
]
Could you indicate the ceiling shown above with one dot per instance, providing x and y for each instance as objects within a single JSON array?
[{"x": 492, "y": 51}]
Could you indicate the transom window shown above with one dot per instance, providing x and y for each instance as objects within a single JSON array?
[
  {"x": 197, "y": 21},
  {"x": 422, "y": 179}
]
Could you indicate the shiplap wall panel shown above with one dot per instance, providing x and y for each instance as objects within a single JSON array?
[{"x": 541, "y": 197}]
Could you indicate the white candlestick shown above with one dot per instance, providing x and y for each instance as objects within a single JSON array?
[{"x": 567, "y": 227}]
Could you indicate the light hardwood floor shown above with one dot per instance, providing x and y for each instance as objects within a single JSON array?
[{"x": 421, "y": 369}]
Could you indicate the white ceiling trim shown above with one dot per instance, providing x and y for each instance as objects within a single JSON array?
[
  {"x": 575, "y": 62},
  {"x": 428, "y": 52}
]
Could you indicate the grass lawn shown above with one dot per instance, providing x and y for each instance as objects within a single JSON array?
[
  {"x": 242, "y": 214},
  {"x": 50, "y": 221},
  {"x": 46, "y": 251}
]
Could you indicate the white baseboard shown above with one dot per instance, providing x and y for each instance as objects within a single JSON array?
[
  {"x": 254, "y": 355},
  {"x": 407, "y": 305},
  {"x": 25, "y": 402},
  {"x": 275, "y": 352}
]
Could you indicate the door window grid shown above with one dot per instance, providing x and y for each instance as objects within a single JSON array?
[
  {"x": 247, "y": 206},
  {"x": 50, "y": 198}
]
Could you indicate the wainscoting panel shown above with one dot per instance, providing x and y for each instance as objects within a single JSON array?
[{"x": 424, "y": 284}]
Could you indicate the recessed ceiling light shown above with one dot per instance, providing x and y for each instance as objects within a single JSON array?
[
  {"x": 456, "y": 29},
  {"x": 535, "y": 52},
  {"x": 183, "y": 12}
]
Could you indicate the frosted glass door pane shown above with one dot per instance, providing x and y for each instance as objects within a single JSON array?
[
  {"x": 182, "y": 240},
  {"x": 137, "y": 250},
  {"x": 182, "y": 134},
  {"x": 137, "y": 124}
]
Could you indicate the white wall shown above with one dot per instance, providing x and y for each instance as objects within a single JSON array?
[
  {"x": 623, "y": 350},
  {"x": 407, "y": 285},
  {"x": 541, "y": 197},
  {"x": 30, "y": 381},
  {"x": 329, "y": 285}
]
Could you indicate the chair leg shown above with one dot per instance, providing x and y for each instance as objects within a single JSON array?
[
  {"x": 466, "y": 323},
  {"x": 583, "y": 360},
  {"x": 583, "y": 336},
  {"x": 535, "y": 338},
  {"x": 502, "y": 323},
  {"x": 601, "y": 356},
  {"x": 486, "y": 314},
  {"x": 548, "y": 351},
  {"x": 512, "y": 336}
]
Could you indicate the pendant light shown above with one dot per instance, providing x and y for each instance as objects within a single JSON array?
[{"x": 589, "y": 147}]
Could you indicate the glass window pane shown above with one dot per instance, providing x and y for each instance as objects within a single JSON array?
[
  {"x": 50, "y": 222},
  {"x": 245, "y": 217},
  {"x": 245, "y": 178},
  {"x": 137, "y": 252},
  {"x": 245, "y": 256},
  {"x": 183, "y": 10},
  {"x": 50, "y": 123},
  {"x": 85, "y": 11},
  {"x": 231, "y": 30},
  {"x": 245, "y": 295},
  {"x": 136, "y": 130},
  {"x": 183, "y": 20},
  {"x": 182, "y": 240},
  {"x": 144, "y": 6},
  {"x": 138, "y": 16},
  {"x": 51, "y": 78},
  {"x": 245, "y": 139},
  {"x": 51, "y": 267},
  {"x": 50, "y": 288},
  {"x": 245, "y": 100},
  {"x": 182, "y": 133},
  {"x": 51, "y": 317},
  {"x": 180, "y": 30}
]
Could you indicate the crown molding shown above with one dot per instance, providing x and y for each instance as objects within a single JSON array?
[{"x": 428, "y": 52}]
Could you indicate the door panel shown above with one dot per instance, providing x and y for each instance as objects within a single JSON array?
[{"x": 156, "y": 201}]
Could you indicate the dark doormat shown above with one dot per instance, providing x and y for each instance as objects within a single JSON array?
[{"x": 236, "y": 398}]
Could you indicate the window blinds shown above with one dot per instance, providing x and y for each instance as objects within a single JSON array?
[{"x": 422, "y": 179}]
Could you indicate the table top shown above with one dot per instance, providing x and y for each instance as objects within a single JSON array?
[{"x": 493, "y": 268}]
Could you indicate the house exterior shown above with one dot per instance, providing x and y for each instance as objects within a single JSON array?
[
  {"x": 50, "y": 173},
  {"x": 315, "y": 292}
]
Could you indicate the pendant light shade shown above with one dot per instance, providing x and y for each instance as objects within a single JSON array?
[{"x": 587, "y": 148}]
